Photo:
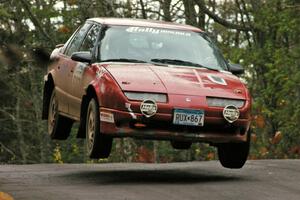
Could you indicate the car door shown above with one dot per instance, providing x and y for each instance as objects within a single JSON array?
[
  {"x": 82, "y": 70},
  {"x": 66, "y": 67}
]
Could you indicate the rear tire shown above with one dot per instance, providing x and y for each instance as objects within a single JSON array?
[
  {"x": 59, "y": 127},
  {"x": 234, "y": 155},
  {"x": 181, "y": 145},
  {"x": 98, "y": 144}
]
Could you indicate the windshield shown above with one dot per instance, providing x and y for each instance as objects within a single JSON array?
[{"x": 157, "y": 45}]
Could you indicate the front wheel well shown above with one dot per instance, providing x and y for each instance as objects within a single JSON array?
[
  {"x": 48, "y": 88},
  {"x": 90, "y": 93}
]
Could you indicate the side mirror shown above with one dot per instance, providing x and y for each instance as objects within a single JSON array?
[
  {"x": 82, "y": 56},
  {"x": 236, "y": 69}
]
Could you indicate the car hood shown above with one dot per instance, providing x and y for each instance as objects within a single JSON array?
[{"x": 180, "y": 80}]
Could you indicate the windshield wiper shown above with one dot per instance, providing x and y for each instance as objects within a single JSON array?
[
  {"x": 124, "y": 60},
  {"x": 179, "y": 62}
]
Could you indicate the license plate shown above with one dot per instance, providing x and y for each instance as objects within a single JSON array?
[{"x": 188, "y": 117}]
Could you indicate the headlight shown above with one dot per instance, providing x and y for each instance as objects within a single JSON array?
[
  {"x": 221, "y": 102},
  {"x": 141, "y": 96}
]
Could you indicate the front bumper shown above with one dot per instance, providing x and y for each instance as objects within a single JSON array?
[{"x": 159, "y": 127}]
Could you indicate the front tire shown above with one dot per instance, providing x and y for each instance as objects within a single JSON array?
[
  {"x": 234, "y": 155},
  {"x": 98, "y": 144},
  {"x": 59, "y": 127}
]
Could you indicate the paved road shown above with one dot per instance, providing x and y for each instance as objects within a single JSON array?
[{"x": 258, "y": 180}]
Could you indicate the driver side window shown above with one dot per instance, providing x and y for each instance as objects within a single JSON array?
[
  {"x": 77, "y": 40},
  {"x": 90, "y": 40}
]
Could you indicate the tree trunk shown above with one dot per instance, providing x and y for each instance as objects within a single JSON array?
[
  {"x": 190, "y": 13},
  {"x": 18, "y": 121},
  {"x": 166, "y": 9}
]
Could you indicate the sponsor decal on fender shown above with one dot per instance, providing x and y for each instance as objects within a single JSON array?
[
  {"x": 148, "y": 108},
  {"x": 78, "y": 71},
  {"x": 107, "y": 117},
  {"x": 231, "y": 113}
]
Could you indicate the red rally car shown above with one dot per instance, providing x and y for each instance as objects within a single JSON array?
[{"x": 148, "y": 80}]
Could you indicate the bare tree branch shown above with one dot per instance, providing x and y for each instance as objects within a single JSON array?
[
  {"x": 7, "y": 149},
  {"x": 12, "y": 117},
  {"x": 242, "y": 12},
  {"x": 150, "y": 11},
  {"x": 220, "y": 20},
  {"x": 35, "y": 21}
]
